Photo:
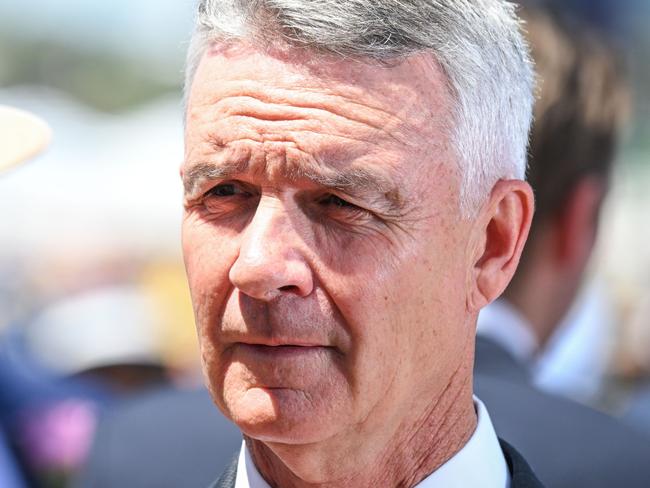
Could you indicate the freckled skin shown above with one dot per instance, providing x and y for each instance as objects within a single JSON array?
[{"x": 377, "y": 289}]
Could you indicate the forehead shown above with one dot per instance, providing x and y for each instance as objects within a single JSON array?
[
  {"x": 414, "y": 76},
  {"x": 290, "y": 107}
]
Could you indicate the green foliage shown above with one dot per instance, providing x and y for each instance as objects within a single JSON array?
[{"x": 101, "y": 80}]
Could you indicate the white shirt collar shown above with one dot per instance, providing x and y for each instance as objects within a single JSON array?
[
  {"x": 503, "y": 324},
  {"x": 479, "y": 463}
]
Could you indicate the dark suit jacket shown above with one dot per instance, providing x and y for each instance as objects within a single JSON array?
[
  {"x": 567, "y": 444},
  {"x": 521, "y": 474},
  {"x": 166, "y": 439}
]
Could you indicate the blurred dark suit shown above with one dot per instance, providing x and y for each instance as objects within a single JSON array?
[
  {"x": 567, "y": 444},
  {"x": 166, "y": 439},
  {"x": 637, "y": 413}
]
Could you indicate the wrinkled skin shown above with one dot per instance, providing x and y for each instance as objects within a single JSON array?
[{"x": 333, "y": 279}]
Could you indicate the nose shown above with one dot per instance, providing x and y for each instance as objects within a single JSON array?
[{"x": 270, "y": 263}]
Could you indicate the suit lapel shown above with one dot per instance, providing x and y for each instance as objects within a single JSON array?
[
  {"x": 227, "y": 479},
  {"x": 521, "y": 474}
]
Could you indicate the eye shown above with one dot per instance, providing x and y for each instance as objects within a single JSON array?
[
  {"x": 226, "y": 190},
  {"x": 228, "y": 197},
  {"x": 337, "y": 202},
  {"x": 339, "y": 209}
]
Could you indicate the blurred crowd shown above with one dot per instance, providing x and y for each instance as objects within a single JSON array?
[{"x": 94, "y": 306}]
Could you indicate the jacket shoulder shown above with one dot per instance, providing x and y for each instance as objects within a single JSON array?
[
  {"x": 568, "y": 444},
  {"x": 521, "y": 474}
]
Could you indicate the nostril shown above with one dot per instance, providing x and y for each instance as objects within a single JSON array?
[{"x": 290, "y": 289}]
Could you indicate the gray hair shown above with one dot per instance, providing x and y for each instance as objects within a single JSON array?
[{"x": 478, "y": 44}]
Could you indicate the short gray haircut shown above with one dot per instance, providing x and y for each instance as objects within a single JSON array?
[{"x": 478, "y": 44}]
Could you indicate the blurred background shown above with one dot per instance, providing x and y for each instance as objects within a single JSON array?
[{"x": 93, "y": 302}]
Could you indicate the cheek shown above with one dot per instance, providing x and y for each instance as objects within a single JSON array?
[
  {"x": 207, "y": 253},
  {"x": 437, "y": 312},
  {"x": 363, "y": 286},
  {"x": 208, "y": 258},
  {"x": 405, "y": 309}
]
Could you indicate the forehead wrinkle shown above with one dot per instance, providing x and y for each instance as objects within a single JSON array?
[
  {"x": 220, "y": 130},
  {"x": 249, "y": 130},
  {"x": 255, "y": 100},
  {"x": 301, "y": 95},
  {"x": 351, "y": 180}
]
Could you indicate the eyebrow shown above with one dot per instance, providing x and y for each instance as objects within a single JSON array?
[
  {"x": 353, "y": 181},
  {"x": 202, "y": 172}
]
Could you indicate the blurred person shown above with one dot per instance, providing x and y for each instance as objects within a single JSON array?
[
  {"x": 582, "y": 106},
  {"x": 47, "y": 419},
  {"x": 107, "y": 335},
  {"x": 165, "y": 438},
  {"x": 112, "y": 335},
  {"x": 22, "y": 136},
  {"x": 608, "y": 16},
  {"x": 354, "y": 195}
]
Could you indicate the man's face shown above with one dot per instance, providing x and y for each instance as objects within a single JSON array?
[{"x": 325, "y": 252}]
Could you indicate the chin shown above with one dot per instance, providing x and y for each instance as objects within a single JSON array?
[{"x": 278, "y": 415}]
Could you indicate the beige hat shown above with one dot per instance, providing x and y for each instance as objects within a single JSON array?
[{"x": 22, "y": 136}]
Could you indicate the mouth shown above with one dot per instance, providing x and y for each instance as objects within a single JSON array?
[{"x": 282, "y": 350}]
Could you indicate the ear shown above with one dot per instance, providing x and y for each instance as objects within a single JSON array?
[
  {"x": 577, "y": 224},
  {"x": 500, "y": 234}
]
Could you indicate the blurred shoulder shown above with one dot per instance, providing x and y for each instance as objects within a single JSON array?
[{"x": 566, "y": 443}]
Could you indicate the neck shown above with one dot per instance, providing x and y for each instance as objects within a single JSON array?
[{"x": 418, "y": 446}]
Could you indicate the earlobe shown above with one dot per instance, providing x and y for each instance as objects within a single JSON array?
[{"x": 505, "y": 222}]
